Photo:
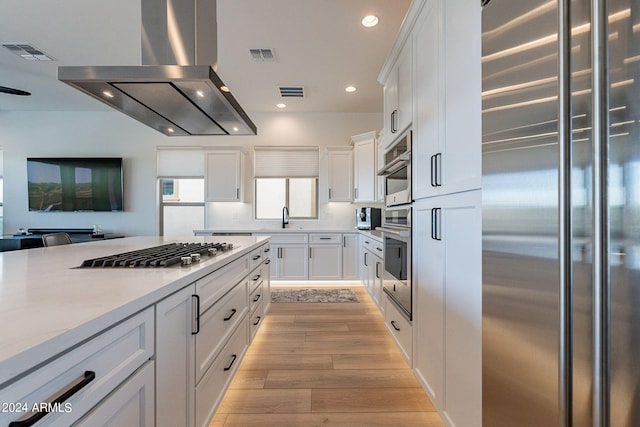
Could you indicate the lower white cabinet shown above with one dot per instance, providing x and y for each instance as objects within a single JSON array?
[
  {"x": 95, "y": 369},
  {"x": 291, "y": 262},
  {"x": 325, "y": 259},
  {"x": 372, "y": 268},
  {"x": 350, "y": 248},
  {"x": 447, "y": 286},
  {"x": 399, "y": 327},
  {"x": 131, "y": 404}
]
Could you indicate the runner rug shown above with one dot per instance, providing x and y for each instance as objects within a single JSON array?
[{"x": 313, "y": 295}]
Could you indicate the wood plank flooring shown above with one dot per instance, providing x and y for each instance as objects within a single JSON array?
[{"x": 325, "y": 364}]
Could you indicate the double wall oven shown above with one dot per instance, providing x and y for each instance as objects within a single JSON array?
[{"x": 396, "y": 224}]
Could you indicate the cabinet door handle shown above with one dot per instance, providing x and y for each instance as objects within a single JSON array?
[
  {"x": 267, "y": 250},
  {"x": 233, "y": 312},
  {"x": 365, "y": 259},
  {"x": 268, "y": 261},
  {"x": 233, "y": 360},
  {"x": 309, "y": 252},
  {"x": 257, "y": 257},
  {"x": 433, "y": 170},
  {"x": 64, "y": 394},
  {"x": 379, "y": 249},
  {"x": 256, "y": 277},
  {"x": 257, "y": 320},
  {"x": 344, "y": 242},
  {"x": 394, "y": 120},
  {"x": 355, "y": 193},
  {"x": 438, "y": 170},
  {"x": 436, "y": 219},
  {"x": 377, "y": 270},
  {"x": 325, "y": 238},
  {"x": 393, "y": 323},
  {"x": 329, "y": 194},
  {"x": 237, "y": 193},
  {"x": 195, "y": 309},
  {"x": 257, "y": 298}
]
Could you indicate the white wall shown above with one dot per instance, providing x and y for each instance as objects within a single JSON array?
[{"x": 39, "y": 134}]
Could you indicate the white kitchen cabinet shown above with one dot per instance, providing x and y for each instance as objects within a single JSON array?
[
  {"x": 399, "y": 327},
  {"x": 364, "y": 167},
  {"x": 340, "y": 174},
  {"x": 325, "y": 261},
  {"x": 131, "y": 404},
  {"x": 97, "y": 368},
  {"x": 223, "y": 176},
  {"x": 372, "y": 267},
  {"x": 380, "y": 165},
  {"x": 448, "y": 304},
  {"x": 175, "y": 359},
  {"x": 398, "y": 96},
  {"x": 291, "y": 262},
  {"x": 447, "y": 123},
  {"x": 350, "y": 247}
]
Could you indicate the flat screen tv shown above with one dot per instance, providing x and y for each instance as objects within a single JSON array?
[{"x": 75, "y": 184}]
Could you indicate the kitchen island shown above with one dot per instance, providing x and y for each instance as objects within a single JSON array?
[{"x": 57, "y": 317}]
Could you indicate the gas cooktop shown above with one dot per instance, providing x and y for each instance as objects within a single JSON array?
[{"x": 159, "y": 256}]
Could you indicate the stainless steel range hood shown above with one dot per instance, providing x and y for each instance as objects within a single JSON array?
[{"x": 173, "y": 91}]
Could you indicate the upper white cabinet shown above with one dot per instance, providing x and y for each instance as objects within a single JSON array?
[
  {"x": 398, "y": 96},
  {"x": 223, "y": 176},
  {"x": 340, "y": 174},
  {"x": 364, "y": 167},
  {"x": 447, "y": 122}
]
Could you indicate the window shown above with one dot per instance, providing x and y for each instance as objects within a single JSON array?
[
  {"x": 299, "y": 195},
  {"x": 286, "y": 176},
  {"x": 182, "y": 206}
]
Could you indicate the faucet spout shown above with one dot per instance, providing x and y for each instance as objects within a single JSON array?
[{"x": 285, "y": 216}]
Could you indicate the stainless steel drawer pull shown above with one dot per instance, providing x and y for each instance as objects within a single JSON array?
[
  {"x": 257, "y": 320},
  {"x": 233, "y": 312},
  {"x": 257, "y": 298},
  {"x": 55, "y": 400},
  {"x": 393, "y": 323},
  {"x": 233, "y": 360}
]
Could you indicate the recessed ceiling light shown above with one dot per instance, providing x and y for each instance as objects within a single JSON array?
[
  {"x": 350, "y": 88},
  {"x": 235, "y": 129},
  {"x": 107, "y": 94},
  {"x": 281, "y": 105},
  {"x": 200, "y": 93},
  {"x": 224, "y": 89},
  {"x": 170, "y": 130},
  {"x": 370, "y": 21}
]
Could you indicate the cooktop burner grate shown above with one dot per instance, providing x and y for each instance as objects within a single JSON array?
[{"x": 159, "y": 256}]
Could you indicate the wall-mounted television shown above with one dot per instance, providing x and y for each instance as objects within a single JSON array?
[{"x": 75, "y": 184}]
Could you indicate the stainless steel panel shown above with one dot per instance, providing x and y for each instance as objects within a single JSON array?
[
  {"x": 623, "y": 185},
  {"x": 520, "y": 214}
]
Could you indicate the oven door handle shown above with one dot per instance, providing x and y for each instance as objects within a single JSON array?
[
  {"x": 396, "y": 164},
  {"x": 401, "y": 233}
]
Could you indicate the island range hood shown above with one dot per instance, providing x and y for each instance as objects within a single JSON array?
[{"x": 176, "y": 90}]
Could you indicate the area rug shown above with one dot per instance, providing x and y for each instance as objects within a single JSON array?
[{"x": 313, "y": 295}]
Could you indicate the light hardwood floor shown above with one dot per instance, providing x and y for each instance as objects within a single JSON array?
[{"x": 325, "y": 364}]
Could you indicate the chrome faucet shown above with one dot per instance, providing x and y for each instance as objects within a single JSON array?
[{"x": 285, "y": 222}]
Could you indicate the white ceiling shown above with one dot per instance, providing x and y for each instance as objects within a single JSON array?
[{"x": 319, "y": 44}]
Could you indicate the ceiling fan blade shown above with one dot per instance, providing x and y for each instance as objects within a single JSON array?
[{"x": 12, "y": 91}]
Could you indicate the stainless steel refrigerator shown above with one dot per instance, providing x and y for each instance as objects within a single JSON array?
[{"x": 561, "y": 213}]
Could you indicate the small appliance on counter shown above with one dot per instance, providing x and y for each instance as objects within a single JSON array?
[{"x": 368, "y": 218}]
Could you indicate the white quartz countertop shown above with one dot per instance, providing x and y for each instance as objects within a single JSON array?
[
  {"x": 47, "y": 304},
  {"x": 279, "y": 230}
]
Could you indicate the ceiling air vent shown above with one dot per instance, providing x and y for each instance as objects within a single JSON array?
[
  {"x": 291, "y": 91},
  {"x": 27, "y": 52},
  {"x": 263, "y": 55}
]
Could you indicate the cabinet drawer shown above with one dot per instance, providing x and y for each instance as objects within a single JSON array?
[
  {"x": 255, "y": 258},
  {"x": 255, "y": 319},
  {"x": 257, "y": 277},
  {"x": 399, "y": 327},
  {"x": 326, "y": 238},
  {"x": 210, "y": 288},
  {"x": 256, "y": 298},
  {"x": 216, "y": 325},
  {"x": 131, "y": 404},
  {"x": 280, "y": 238},
  {"x": 211, "y": 389},
  {"x": 111, "y": 356}
]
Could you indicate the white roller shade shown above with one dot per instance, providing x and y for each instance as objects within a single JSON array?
[
  {"x": 180, "y": 163},
  {"x": 286, "y": 162}
]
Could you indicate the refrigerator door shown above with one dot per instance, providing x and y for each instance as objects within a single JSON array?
[
  {"x": 520, "y": 214},
  {"x": 624, "y": 213}
]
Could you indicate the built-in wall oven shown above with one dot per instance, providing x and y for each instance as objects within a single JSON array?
[
  {"x": 397, "y": 171},
  {"x": 396, "y": 232}
]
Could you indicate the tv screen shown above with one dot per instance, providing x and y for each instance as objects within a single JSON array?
[{"x": 75, "y": 184}]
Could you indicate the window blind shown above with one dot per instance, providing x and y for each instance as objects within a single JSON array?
[
  {"x": 286, "y": 162},
  {"x": 180, "y": 163}
]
